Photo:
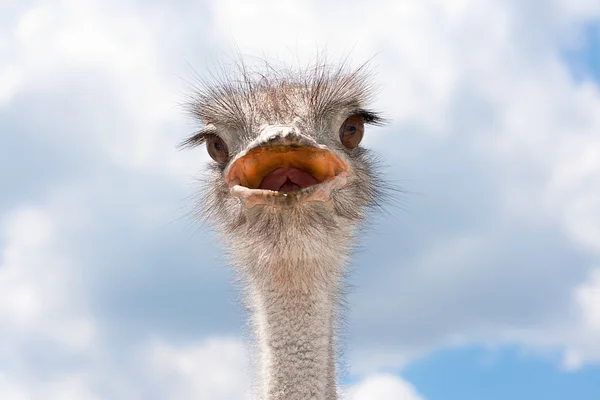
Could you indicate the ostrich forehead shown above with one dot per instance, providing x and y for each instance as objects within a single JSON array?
[{"x": 244, "y": 100}]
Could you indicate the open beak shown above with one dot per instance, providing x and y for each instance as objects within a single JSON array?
[{"x": 284, "y": 175}]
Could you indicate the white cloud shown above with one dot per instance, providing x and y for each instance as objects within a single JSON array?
[
  {"x": 34, "y": 296},
  {"x": 383, "y": 387},
  {"x": 584, "y": 345},
  {"x": 103, "y": 47},
  {"x": 214, "y": 369},
  {"x": 36, "y": 306},
  {"x": 588, "y": 298},
  {"x": 8, "y": 389}
]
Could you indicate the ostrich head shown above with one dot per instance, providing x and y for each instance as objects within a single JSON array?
[
  {"x": 288, "y": 182},
  {"x": 287, "y": 160}
]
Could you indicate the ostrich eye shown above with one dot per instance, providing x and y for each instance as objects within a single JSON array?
[
  {"x": 352, "y": 130},
  {"x": 217, "y": 149}
]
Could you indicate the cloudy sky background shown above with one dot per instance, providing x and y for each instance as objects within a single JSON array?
[{"x": 485, "y": 284}]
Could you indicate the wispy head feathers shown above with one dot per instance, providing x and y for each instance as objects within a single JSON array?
[{"x": 241, "y": 97}]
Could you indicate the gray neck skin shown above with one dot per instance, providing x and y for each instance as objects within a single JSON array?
[{"x": 295, "y": 330}]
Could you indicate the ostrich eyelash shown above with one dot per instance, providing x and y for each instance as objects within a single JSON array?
[
  {"x": 198, "y": 138},
  {"x": 370, "y": 117}
]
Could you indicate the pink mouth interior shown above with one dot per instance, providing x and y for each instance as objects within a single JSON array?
[{"x": 287, "y": 179}]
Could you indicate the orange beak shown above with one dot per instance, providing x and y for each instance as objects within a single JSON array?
[
  {"x": 250, "y": 169},
  {"x": 318, "y": 171}
]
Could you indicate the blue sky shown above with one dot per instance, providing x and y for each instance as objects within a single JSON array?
[
  {"x": 504, "y": 373},
  {"x": 482, "y": 282}
]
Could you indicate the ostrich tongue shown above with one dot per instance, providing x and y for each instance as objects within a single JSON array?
[
  {"x": 285, "y": 168},
  {"x": 287, "y": 179}
]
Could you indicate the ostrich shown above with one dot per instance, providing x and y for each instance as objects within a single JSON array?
[{"x": 287, "y": 187}]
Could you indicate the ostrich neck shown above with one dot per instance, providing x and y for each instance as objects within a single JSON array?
[{"x": 294, "y": 315}]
